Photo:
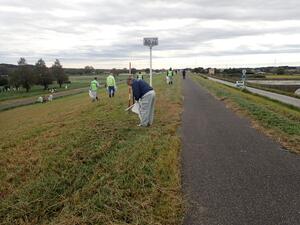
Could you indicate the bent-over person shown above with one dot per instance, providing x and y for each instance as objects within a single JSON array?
[{"x": 144, "y": 94}]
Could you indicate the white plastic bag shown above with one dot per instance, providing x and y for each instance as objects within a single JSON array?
[
  {"x": 50, "y": 98},
  {"x": 168, "y": 79},
  {"x": 135, "y": 108},
  {"x": 92, "y": 94}
]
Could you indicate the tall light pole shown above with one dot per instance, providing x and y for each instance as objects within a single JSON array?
[{"x": 150, "y": 42}]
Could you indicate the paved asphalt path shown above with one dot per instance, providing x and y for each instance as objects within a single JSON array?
[
  {"x": 281, "y": 98},
  {"x": 232, "y": 174}
]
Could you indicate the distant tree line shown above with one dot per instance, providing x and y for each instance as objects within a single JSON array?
[
  {"x": 25, "y": 75},
  {"x": 251, "y": 71},
  {"x": 199, "y": 70},
  {"x": 90, "y": 70}
]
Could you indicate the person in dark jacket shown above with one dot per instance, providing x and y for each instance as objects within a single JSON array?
[
  {"x": 144, "y": 95},
  {"x": 183, "y": 74}
]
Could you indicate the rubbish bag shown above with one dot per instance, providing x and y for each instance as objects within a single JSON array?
[
  {"x": 168, "y": 80},
  {"x": 92, "y": 94},
  {"x": 50, "y": 98},
  {"x": 40, "y": 99},
  {"x": 135, "y": 108}
]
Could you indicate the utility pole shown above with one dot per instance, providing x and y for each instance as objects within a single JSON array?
[
  {"x": 129, "y": 88},
  {"x": 151, "y": 66}
]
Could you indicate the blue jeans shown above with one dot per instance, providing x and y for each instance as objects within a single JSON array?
[{"x": 111, "y": 91}]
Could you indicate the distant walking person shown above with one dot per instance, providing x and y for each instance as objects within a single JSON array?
[
  {"x": 111, "y": 85},
  {"x": 145, "y": 97},
  {"x": 94, "y": 89},
  {"x": 170, "y": 75},
  {"x": 140, "y": 76},
  {"x": 183, "y": 74}
]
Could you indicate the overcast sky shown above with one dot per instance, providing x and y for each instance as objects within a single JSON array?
[{"x": 107, "y": 34}]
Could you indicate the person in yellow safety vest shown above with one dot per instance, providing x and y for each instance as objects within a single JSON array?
[
  {"x": 111, "y": 85},
  {"x": 170, "y": 75},
  {"x": 94, "y": 89},
  {"x": 140, "y": 76}
]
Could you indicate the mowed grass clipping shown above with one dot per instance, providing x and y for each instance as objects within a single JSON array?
[
  {"x": 277, "y": 120},
  {"x": 76, "y": 162}
]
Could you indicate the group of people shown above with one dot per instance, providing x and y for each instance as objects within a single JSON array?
[
  {"x": 170, "y": 75},
  {"x": 142, "y": 92},
  {"x": 47, "y": 98},
  {"x": 110, "y": 85},
  {"x": 44, "y": 99},
  {"x": 7, "y": 88}
]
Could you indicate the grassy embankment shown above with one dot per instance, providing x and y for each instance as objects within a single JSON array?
[
  {"x": 235, "y": 77},
  {"x": 76, "y": 82},
  {"x": 288, "y": 90},
  {"x": 277, "y": 120},
  {"x": 283, "y": 77},
  {"x": 76, "y": 162}
]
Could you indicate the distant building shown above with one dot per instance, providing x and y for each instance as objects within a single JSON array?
[{"x": 258, "y": 71}]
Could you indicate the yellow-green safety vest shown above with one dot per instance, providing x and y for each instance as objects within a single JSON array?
[
  {"x": 94, "y": 85},
  {"x": 110, "y": 81}
]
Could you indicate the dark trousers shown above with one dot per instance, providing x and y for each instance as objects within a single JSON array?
[{"x": 111, "y": 91}]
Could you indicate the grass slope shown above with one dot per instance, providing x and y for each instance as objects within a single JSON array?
[
  {"x": 285, "y": 77},
  {"x": 279, "y": 121},
  {"x": 75, "y": 162},
  {"x": 37, "y": 90}
]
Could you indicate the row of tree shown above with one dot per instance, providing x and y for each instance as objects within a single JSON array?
[{"x": 27, "y": 75}]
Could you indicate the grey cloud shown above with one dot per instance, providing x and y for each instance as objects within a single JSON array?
[
  {"x": 242, "y": 50},
  {"x": 41, "y": 21}
]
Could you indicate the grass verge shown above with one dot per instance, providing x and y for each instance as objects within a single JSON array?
[
  {"x": 277, "y": 120},
  {"x": 288, "y": 90},
  {"x": 74, "y": 162}
]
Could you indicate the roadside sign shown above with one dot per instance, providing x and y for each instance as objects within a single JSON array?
[
  {"x": 150, "y": 42},
  {"x": 244, "y": 72}
]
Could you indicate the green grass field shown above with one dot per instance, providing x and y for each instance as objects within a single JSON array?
[
  {"x": 279, "y": 121},
  {"x": 284, "y": 77},
  {"x": 76, "y": 82},
  {"x": 39, "y": 90},
  {"x": 76, "y": 162}
]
